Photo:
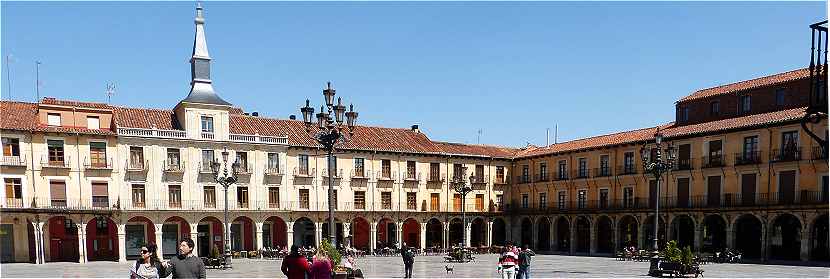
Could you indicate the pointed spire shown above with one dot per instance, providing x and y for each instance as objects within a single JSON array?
[{"x": 201, "y": 90}]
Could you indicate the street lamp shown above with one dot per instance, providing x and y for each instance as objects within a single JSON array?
[
  {"x": 656, "y": 166},
  {"x": 225, "y": 179},
  {"x": 460, "y": 186},
  {"x": 330, "y": 131}
]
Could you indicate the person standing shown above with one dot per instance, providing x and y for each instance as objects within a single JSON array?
[
  {"x": 185, "y": 264},
  {"x": 322, "y": 266},
  {"x": 294, "y": 266},
  {"x": 507, "y": 265},
  {"x": 524, "y": 262},
  {"x": 408, "y": 260},
  {"x": 148, "y": 266}
]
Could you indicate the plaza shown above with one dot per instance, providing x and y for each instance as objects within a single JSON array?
[{"x": 544, "y": 266}]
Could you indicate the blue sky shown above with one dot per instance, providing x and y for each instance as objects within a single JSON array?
[{"x": 511, "y": 69}]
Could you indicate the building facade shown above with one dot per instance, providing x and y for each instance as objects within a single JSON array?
[{"x": 89, "y": 181}]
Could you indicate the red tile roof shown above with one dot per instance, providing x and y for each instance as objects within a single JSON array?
[
  {"x": 591, "y": 143},
  {"x": 749, "y": 84},
  {"x": 72, "y": 103},
  {"x": 18, "y": 116},
  {"x": 145, "y": 118},
  {"x": 483, "y": 150},
  {"x": 750, "y": 121}
]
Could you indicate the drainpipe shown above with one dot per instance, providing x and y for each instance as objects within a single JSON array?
[{"x": 32, "y": 160}]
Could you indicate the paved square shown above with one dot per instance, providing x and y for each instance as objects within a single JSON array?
[{"x": 544, "y": 266}]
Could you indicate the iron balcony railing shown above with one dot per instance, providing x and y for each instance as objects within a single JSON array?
[
  {"x": 480, "y": 179},
  {"x": 626, "y": 170},
  {"x": 386, "y": 176},
  {"x": 522, "y": 179},
  {"x": 786, "y": 155},
  {"x": 748, "y": 158},
  {"x": 338, "y": 173},
  {"x": 501, "y": 180},
  {"x": 304, "y": 172},
  {"x": 96, "y": 203},
  {"x": 14, "y": 161},
  {"x": 542, "y": 177},
  {"x": 411, "y": 176},
  {"x": 580, "y": 173},
  {"x": 602, "y": 172},
  {"x": 359, "y": 174},
  {"x": 819, "y": 153},
  {"x": 560, "y": 175},
  {"x": 714, "y": 161},
  {"x": 274, "y": 170},
  {"x": 98, "y": 164},
  {"x": 171, "y": 166},
  {"x": 46, "y": 162},
  {"x": 684, "y": 164},
  {"x": 435, "y": 178},
  {"x": 136, "y": 165}
]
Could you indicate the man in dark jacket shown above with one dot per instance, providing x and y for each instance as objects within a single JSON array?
[
  {"x": 408, "y": 260},
  {"x": 524, "y": 262},
  {"x": 294, "y": 266},
  {"x": 185, "y": 265}
]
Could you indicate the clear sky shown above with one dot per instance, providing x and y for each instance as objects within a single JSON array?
[{"x": 510, "y": 69}]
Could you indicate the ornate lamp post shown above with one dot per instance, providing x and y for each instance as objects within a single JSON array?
[
  {"x": 656, "y": 166},
  {"x": 328, "y": 133},
  {"x": 461, "y": 187},
  {"x": 225, "y": 179}
]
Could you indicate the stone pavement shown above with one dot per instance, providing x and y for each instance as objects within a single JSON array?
[{"x": 544, "y": 266}]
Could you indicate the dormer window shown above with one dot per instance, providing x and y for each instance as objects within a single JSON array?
[
  {"x": 53, "y": 119},
  {"x": 93, "y": 122},
  {"x": 780, "y": 95},
  {"x": 207, "y": 124},
  {"x": 714, "y": 108},
  {"x": 683, "y": 113}
]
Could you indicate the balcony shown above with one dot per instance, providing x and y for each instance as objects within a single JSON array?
[
  {"x": 819, "y": 153},
  {"x": 542, "y": 177},
  {"x": 338, "y": 173},
  {"x": 786, "y": 155},
  {"x": 580, "y": 174},
  {"x": 274, "y": 170},
  {"x": 412, "y": 177},
  {"x": 626, "y": 170},
  {"x": 304, "y": 172},
  {"x": 204, "y": 167},
  {"x": 100, "y": 202},
  {"x": 13, "y": 161},
  {"x": 207, "y": 135},
  {"x": 245, "y": 168},
  {"x": 684, "y": 164},
  {"x": 136, "y": 165},
  {"x": 480, "y": 179},
  {"x": 359, "y": 174},
  {"x": 715, "y": 161},
  {"x": 522, "y": 179},
  {"x": 560, "y": 176},
  {"x": 386, "y": 176},
  {"x": 602, "y": 172},
  {"x": 98, "y": 164},
  {"x": 173, "y": 166},
  {"x": 55, "y": 164},
  {"x": 748, "y": 158},
  {"x": 96, "y": 203},
  {"x": 501, "y": 180}
]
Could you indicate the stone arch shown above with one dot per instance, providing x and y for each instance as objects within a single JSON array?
[
  {"x": 714, "y": 233},
  {"x": 435, "y": 230},
  {"x": 582, "y": 231},
  {"x": 62, "y": 239},
  {"x": 648, "y": 232},
  {"x": 526, "y": 235},
  {"x": 411, "y": 233},
  {"x": 628, "y": 232},
  {"x": 819, "y": 249},
  {"x": 386, "y": 233},
  {"x": 499, "y": 232},
  {"x": 173, "y": 230},
  {"x": 683, "y": 231},
  {"x": 478, "y": 232},
  {"x": 785, "y": 237},
  {"x": 361, "y": 233},
  {"x": 543, "y": 234},
  {"x": 338, "y": 230},
  {"x": 305, "y": 232},
  {"x": 242, "y": 234},
  {"x": 274, "y": 232},
  {"x": 605, "y": 234},
  {"x": 748, "y": 230},
  {"x": 563, "y": 234},
  {"x": 139, "y": 230},
  {"x": 211, "y": 236}
]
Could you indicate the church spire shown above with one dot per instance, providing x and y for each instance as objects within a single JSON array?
[{"x": 201, "y": 86}]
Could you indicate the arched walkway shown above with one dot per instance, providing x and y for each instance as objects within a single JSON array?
[
  {"x": 605, "y": 235},
  {"x": 748, "y": 236},
  {"x": 138, "y": 231},
  {"x": 648, "y": 230},
  {"x": 63, "y": 239},
  {"x": 304, "y": 233},
  {"x": 785, "y": 238},
  {"x": 499, "y": 232},
  {"x": 583, "y": 235},
  {"x": 386, "y": 233},
  {"x": 527, "y": 232},
  {"x": 628, "y": 232},
  {"x": 714, "y": 234},
  {"x": 543, "y": 243},
  {"x": 412, "y": 233},
  {"x": 434, "y": 232},
  {"x": 360, "y": 234},
  {"x": 456, "y": 232},
  {"x": 477, "y": 230},
  {"x": 819, "y": 251},
  {"x": 242, "y": 234},
  {"x": 211, "y": 237},
  {"x": 338, "y": 229},
  {"x": 563, "y": 234},
  {"x": 274, "y": 232},
  {"x": 173, "y": 231},
  {"x": 102, "y": 236},
  {"x": 683, "y": 231}
]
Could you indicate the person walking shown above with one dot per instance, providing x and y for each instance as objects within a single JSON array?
[
  {"x": 294, "y": 266},
  {"x": 322, "y": 266},
  {"x": 507, "y": 265},
  {"x": 524, "y": 262},
  {"x": 185, "y": 264},
  {"x": 148, "y": 266},
  {"x": 408, "y": 260}
]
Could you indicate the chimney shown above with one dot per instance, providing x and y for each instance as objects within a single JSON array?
[
  {"x": 256, "y": 113},
  {"x": 292, "y": 117},
  {"x": 415, "y": 128}
]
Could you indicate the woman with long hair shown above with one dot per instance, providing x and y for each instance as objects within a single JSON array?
[
  {"x": 148, "y": 265},
  {"x": 321, "y": 266}
]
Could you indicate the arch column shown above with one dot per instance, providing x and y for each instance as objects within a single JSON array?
[
  {"x": 399, "y": 234},
  {"x": 572, "y": 236},
  {"x": 468, "y": 233},
  {"x": 641, "y": 235},
  {"x": 424, "y": 235},
  {"x": 289, "y": 230},
  {"x": 806, "y": 236},
  {"x": 592, "y": 246},
  {"x": 698, "y": 241},
  {"x": 159, "y": 233},
  {"x": 81, "y": 241},
  {"x": 616, "y": 232},
  {"x": 347, "y": 231},
  {"x": 194, "y": 235},
  {"x": 730, "y": 236},
  {"x": 39, "y": 251},
  {"x": 489, "y": 240},
  {"x": 534, "y": 235},
  {"x": 122, "y": 243},
  {"x": 318, "y": 232},
  {"x": 373, "y": 236},
  {"x": 259, "y": 238}
]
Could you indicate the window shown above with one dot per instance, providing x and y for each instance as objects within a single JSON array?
[
  {"x": 434, "y": 201},
  {"x": 138, "y": 195},
  {"x": 780, "y": 95},
  {"x": 604, "y": 170},
  {"x": 410, "y": 169},
  {"x": 499, "y": 201},
  {"x": 98, "y": 154},
  {"x": 683, "y": 113},
  {"x": 207, "y": 124},
  {"x": 207, "y": 159},
  {"x": 456, "y": 202},
  {"x": 411, "y": 201},
  {"x": 274, "y": 162},
  {"x": 479, "y": 173},
  {"x": 14, "y": 191},
  {"x": 360, "y": 200},
  {"x": 789, "y": 140},
  {"x": 386, "y": 168},
  {"x": 359, "y": 168},
  {"x": 543, "y": 200},
  {"x": 603, "y": 198},
  {"x": 242, "y": 196},
  {"x": 750, "y": 148},
  {"x": 561, "y": 199},
  {"x": 93, "y": 122},
  {"x": 386, "y": 200},
  {"x": 582, "y": 198},
  {"x": 746, "y": 101},
  {"x": 55, "y": 152},
  {"x": 583, "y": 167},
  {"x": 57, "y": 192},
  {"x": 543, "y": 171},
  {"x": 100, "y": 195},
  {"x": 480, "y": 202},
  {"x": 525, "y": 201},
  {"x": 174, "y": 196},
  {"x": 273, "y": 197},
  {"x": 714, "y": 108},
  {"x": 525, "y": 173},
  {"x": 11, "y": 147},
  {"x": 628, "y": 162},
  {"x": 434, "y": 171},
  {"x": 136, "y": 157},
  {"x": 628, "y": 196},
  {"x": 500, "y": 174},
  {"x": 304, "y": 198},
  {"x": 210, "y": 196},
  {"x": 303, "y": 158},
  {"x": 563, "y": 170},
  {"x": 458, "y": 172},
  {"x": 53, "y": 119},
  {"x": 242, "y": 160},
  {"x": 173, "y": 159}
]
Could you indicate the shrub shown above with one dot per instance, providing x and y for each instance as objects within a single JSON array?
[{"x": 331, "y": 251}]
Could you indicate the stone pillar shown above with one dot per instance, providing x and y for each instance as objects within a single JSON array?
[
  {"x": 318, "y": 233},
  {"x": 373, "y": 236},
  {"x": 399, "y": 234},
  {"x": 592, "y": 239},
  {"x": 82, "y": 251},
  {"x": 445, "y": 234},
  {"x": 259, "y": 238},
  {"x": 642, "y": 241},
  {"x": 730, "y": 237},
  {"x": 194, "y": 235},
  {"x": 347, "y": 238},
  {"x": 764, "y": 242},
  {"x": 122, "y": 243},
  {"x": 40, "y": 254},
  {"x": 159, "y": 234},
  {"x": 489, "y": 241},
  {"x": 698, "y": 244},
  {"x": 468, "y": 233},
  {"x": 572, "y": 241},
  {"x": 423, "y": 235},
  {"x": 616, "y": 241},
  {"x": 289, "y": 238},
  {"x": 534, "y": 241}
]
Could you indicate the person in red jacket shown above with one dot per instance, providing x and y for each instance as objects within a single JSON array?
[{"x": 295, "y": 266}]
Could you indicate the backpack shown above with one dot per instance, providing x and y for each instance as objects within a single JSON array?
[{"x": 524, "y": 259}]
